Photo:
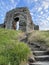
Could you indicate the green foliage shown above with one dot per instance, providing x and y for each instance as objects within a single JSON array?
[
  {"x": 39, "y": 36},
  {"x": 3, "y": 60},
  {"x": 12, "y": 52}
]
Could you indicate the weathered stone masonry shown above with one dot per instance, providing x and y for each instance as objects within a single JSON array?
[{"x": 19, "y": 19}]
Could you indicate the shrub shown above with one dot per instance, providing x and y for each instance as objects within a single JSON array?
[
  {"x": 12, "y": 52},
  {"x": 39, "y": 37}
]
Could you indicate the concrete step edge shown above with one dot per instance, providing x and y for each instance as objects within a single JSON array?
[
  {"x": 40, "y": 63},
  {"x": 39, "y": 51},
  {"x": 43, "y": 56}
]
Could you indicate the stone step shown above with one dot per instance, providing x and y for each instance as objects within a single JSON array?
[
  {"x": 37, "y": 49},
  {"x": 39, "y": 63},
  {"x": 37, "y": 46},
  {"x": 33, "y": 49},
  {"x": 34, "y": 45},
  {"x": 40, "y": 53},
  {"x": 42, "y": 58}
]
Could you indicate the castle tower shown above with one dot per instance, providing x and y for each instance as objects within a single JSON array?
[{"x": 19, "y": 19}]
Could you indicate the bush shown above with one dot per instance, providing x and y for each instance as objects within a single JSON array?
[
  {"x": 13, "y": 53},
  {"x": 39, "y": 37}
]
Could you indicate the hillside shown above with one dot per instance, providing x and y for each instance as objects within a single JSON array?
[
  {"x": 12, "y": 51},
  {"x": 10, "y": 36},
  {"x": 39, "y": 44},
  {"x": 15, "y": 45},
  {"x": 41, "y": 37}
]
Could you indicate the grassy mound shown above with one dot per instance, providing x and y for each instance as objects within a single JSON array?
[
  {"x": 12, "y": 51},
  {"x": 39, "y": 36}
]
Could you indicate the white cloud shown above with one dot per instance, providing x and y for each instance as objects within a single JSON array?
[
  {"x": 14, "y": 4},
  {"x": 31, "y": 13},
  {"x": 46, "y": 28},
  {"x": 2, "y": 3},
  {"x": 7, "y": 8},
  {"x": 46, "y": 10},
  {"x": 41, "y": 12},
  {"x": 30, "y": 1},
  {"x": 1, "y": 15},
  {"x": 47, "y": 18},
  {"x": 44, "y": 22},
  {"x": 2, "y": 18},
  {"x": 45, "y": 4},
  {"x": 12, "y": 1},
  {"x": 40, "y": 8},
  {"x": 35, "y": 0}
]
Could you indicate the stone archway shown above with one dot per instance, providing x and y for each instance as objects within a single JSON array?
[
  {"x": 19, "y": 22},
  {"x": 16, "y": 18},
  {"x": 16, "y": 23}
]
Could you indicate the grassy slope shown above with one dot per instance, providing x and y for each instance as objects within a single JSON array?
[
  {"x": 9, "y": 39},
  {"x": 11, "y": 36},
  {"x": 39, "y": 36},
  {"x": 8, "y": 35}
]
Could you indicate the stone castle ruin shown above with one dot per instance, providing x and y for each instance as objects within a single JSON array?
[{"x": 19, "y": 19}]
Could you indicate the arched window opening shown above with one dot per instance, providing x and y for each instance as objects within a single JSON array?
[
  {"x": 16, "y": 23},
  {"x": 16, "y": 19}
]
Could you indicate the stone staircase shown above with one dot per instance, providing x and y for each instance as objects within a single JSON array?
[
  {"x": 40, "y": 54},
  {"x": 39, "y": 51}
]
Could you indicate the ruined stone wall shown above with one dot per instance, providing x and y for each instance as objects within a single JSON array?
[
  {"x": 24, "y": 16},
  {"x": 36, "y": 27}
]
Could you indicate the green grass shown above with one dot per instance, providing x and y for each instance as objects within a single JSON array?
[
  {"x": 8, "y": 35},
  {"x": 39, "y": 36},
  {"x": 11, "y": 49}
]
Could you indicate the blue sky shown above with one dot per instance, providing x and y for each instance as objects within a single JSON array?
[{"x": 39, "y": 10}]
